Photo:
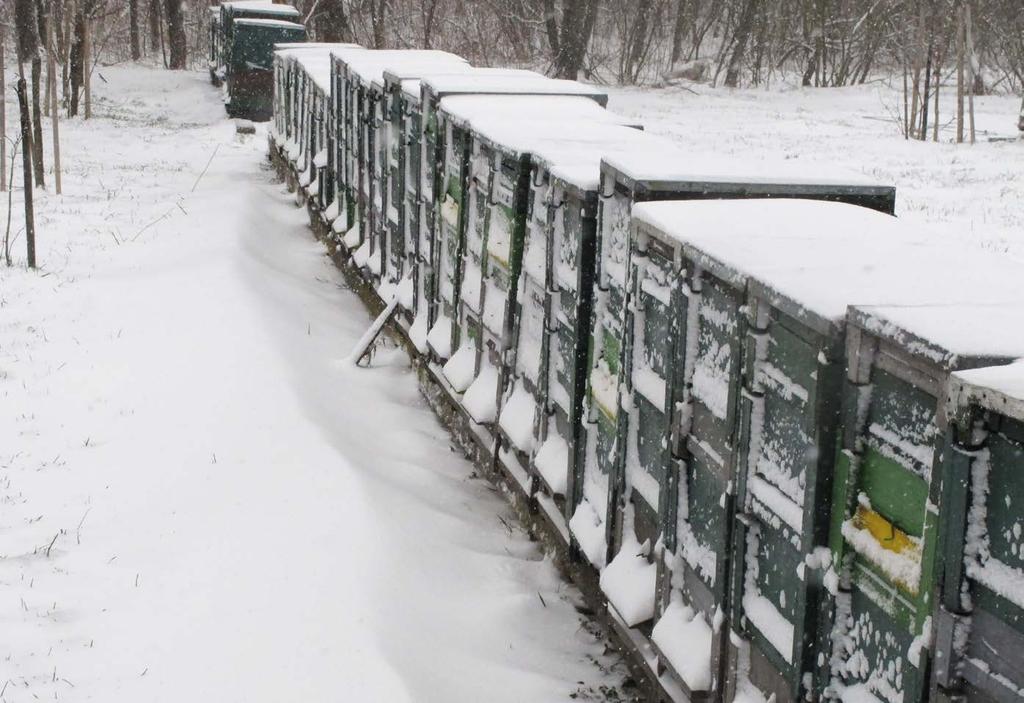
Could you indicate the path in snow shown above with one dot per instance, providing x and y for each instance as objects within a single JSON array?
[{"x": 198, "y": 500}]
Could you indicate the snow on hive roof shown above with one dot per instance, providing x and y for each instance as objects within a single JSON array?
[
  {"x": 577, "y": 161},
  {"x": 316, "y": 64},
  {"x": 265, "y": 22},
  {"x": 949, "y": 333},
  {"x": 263, "y": 6},
  {"x": 680, "y": 166},
  {"x": 550, "y": 139},
  {"x": 583, "y": 168},
  {"x": 508, "y": 110},
  {"x": 301, "y": 46},
  {"x": 570, "y": 149},
  {"x": 821, "y": 257},
  {"x": 509, "y": 84},
  {"x": 411, "y": 80},
  {"x": 998, "y": 388},
  {"x": 371, "y": 64}
]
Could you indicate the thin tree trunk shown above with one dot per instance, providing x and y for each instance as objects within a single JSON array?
[
  {"x": 740, "y": 39},
  {"x": 960, "y": 78},
  {"x": 37, "y": 121},
  {"x": 87, "y": 66},
  {"x": 26, "y": 171},
  {"x": 935, "y": 106},
  {"x": 155, "y": 38},
  {"x": 969, "y": 41},
  {"x": 927, "y": 93},
  {"x": 678, "y": 30},
  {"x": 3, "y": 116},
  {"x": 160, "y": 31},
  {"x": 133, "y": 29},
  {"x": 906, "y": 101},
  {"x": 70, "y": 12},
  {"x": 551, "y": 28},
  {"x": 177, "y": 41},
  {"x": 54, "y": 117},
  {"x": 49, "y": 82},
  {"x": 77, "y": 63}
]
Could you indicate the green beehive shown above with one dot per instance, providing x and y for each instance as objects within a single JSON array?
[
  {"x": 300, "y": 100},
  {"x": 979, "y": 623},
  {"x": 542, "y": 395},
  {"x": 364, "y": 79},
  {"x": 731, "y": 371},
  {"x": 365, "y": 134},
  {"x": 250, "y": 68},
  {"x": 402, "y": 179},
  {"x": 249, "y": 9},
  {"x": 342, "y": 127},
  {"x": 284, "y": 98},
  {"x": 537, "y": 354},
  {"x": 486, "y": 166},
  {"x": 672, "y": 174},
  {"x": 445, "y": 162},
  {"x": 308, "y": 151},
  {"x": 889, "y": 476},
  {"x": 497, "y": 311}
]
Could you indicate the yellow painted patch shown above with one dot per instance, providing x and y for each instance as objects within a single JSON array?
[{"x": 888, "y": 535}]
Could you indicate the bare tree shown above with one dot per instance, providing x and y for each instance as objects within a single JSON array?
[
  {"x": 51, "y": 42},
  {"x": 332, "y": 21},
  {"x": 3, "y": 117},
  {"x": 569, "y": 34},
  {"x": 133, "y": 29},
  {"x": 741, "y": 37},
  {"x": 177, "y": 39},
  {"x": 26, "y": 170}
]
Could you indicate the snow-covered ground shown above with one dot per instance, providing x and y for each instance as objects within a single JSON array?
[{"x": 200, "y": 501}]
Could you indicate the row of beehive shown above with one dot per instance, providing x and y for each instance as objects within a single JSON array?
[{"x": 735, "y": 411}]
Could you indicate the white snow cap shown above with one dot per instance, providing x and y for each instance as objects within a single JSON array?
[
  {"x": 316, "y": 64},
  {"x": 264, "y": 6},
  {"x": 287, "y": 47},
  {"x": 825, "y": 257},
  {"x": 265, "y": 22},
  {"x": 369, "y": 65},
  {"x": 999, "y": 388},
  {"x": 410, "y": 78},
  {"x": 676, "y": 164},
  {"x": 497, "y": 84}
]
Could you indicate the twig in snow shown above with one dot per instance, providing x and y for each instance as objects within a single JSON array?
[
  {"x": 505, "y": 523},
  {"x": 78, "y": 530},
  {"x": 205, "y": 169},
  {"x": 541, "y": 599},
  {"x": 159, "y": 219},
  {"x": 51, "y": 545}
]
